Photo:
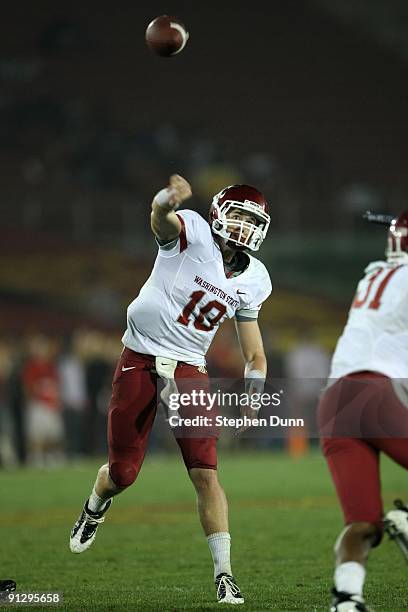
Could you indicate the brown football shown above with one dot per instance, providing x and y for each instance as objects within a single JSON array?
[{"x": 166, "y": 35}]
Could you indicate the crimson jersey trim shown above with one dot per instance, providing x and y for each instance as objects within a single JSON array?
[{"x": 183, "y": 235}]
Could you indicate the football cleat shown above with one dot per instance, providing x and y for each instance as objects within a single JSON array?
[
  {"x": 84, "y": 531},
  {"x": 345, "y": 602},
  {"x": 396, "y": 525},
  {"x": 227, "y": 590},
  {"x": 7, "y": 586}
]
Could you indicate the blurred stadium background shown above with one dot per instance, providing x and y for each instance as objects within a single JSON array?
[{"x": 305, "y": 99}]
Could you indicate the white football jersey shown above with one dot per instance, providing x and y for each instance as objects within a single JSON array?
[
  {"x": 188, "y": 296},
  {"x": 376, "y": 334}
]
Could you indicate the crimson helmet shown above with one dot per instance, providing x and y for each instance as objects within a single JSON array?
[
  {"x": 249, "y": 200},
  {"x": 397, "y": 246}
]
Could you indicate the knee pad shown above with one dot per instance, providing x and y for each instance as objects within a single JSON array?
[{"x": 122, "y": 473}]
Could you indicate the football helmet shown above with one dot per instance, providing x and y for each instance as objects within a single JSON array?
[
  {"x": 240, "y": 234},
  {"x": 397, "y": 245}
]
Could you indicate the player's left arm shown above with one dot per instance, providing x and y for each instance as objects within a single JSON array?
[{"x": 250, "y": 340}]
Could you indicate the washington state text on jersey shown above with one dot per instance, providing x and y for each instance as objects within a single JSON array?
[{"x": 217, "y": 291}]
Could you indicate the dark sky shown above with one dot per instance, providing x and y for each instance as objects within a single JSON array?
[{"x": 279, "y": 76}]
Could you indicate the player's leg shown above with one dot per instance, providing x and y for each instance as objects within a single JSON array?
[
  {"x": 213, "y": 512},
  {"x": 393, "y": 419},
  {"x": 103, "y": 490},
  {"x": 201, "y": 461},
  {"x": 200, "y": 458},
  {"x": 346, "y": 409},
  {"x": 396, "y": 520},
  {"x": 131, "y": 415},
  {"x": 211, "y": 500},
  {"x": 354, "y": 468}
]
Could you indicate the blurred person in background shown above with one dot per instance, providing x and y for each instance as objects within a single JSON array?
[
  {"x": 44, "y": 420},
  {"x": 71, "y": 371},
  {"x": 364, "y": 412},
  {"x": 94, "y": 349},
  {"x": 203, "y": 275},
  {"x": 274, "y": 344},
  {"x": 307, "y": 359},
  {"x": 7, "y": 451},
  {"x": 16, "y": 400},
  {"x": 306, "y": 366}
]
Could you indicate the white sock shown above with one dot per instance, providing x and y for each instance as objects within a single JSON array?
[
  {"x": 96, "y": 503},
  {"x": 220, "y": 544},
  {"x": 349, "y": 577}
]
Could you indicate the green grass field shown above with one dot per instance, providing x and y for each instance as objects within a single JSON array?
[{"x": 151, "y": 554}]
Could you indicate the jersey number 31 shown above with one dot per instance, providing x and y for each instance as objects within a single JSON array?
[{"x": 375, "y": 302}]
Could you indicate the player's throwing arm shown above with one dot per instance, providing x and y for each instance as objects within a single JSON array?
[{"x": 164, "y": 221}]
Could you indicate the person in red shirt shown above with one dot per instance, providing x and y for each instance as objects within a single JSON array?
[{"x": 45, "y": 430}]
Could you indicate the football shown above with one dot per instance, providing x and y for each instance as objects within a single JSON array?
[{"x": 166, "y": 36}]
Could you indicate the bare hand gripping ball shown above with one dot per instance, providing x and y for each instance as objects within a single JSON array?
[{"x": 166, "y": 36}]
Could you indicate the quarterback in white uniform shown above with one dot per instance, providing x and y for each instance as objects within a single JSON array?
[
  {"x": 189, "y": 294},
  {"x": 364, "y": 412},
  {"x": 203, "y": 274}
]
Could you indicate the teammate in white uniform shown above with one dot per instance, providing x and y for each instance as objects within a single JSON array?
[
  {"x": 376, "y": 335},
  {"x": 203, "y": 275},
  {"x": 365, "y": 412}
]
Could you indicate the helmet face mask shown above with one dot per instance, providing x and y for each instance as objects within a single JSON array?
[
  {"x": 397, "y": 244},
  {"x": 239, "y": 232}
]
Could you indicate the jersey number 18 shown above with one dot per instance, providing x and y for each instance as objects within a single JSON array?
[{"x": 201, "y": 320}]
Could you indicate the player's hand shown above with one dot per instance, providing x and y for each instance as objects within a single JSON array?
[
  {"x": 174, "y": 194},
  {"x": 180, "y": 189},
  {"x": 250, "y": 413}
]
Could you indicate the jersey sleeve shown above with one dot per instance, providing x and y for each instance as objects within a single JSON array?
[
  {"x": 402, "y": 307},
  {"x": 261, "y": 288},
  {"x": 193, "y": 227}
]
